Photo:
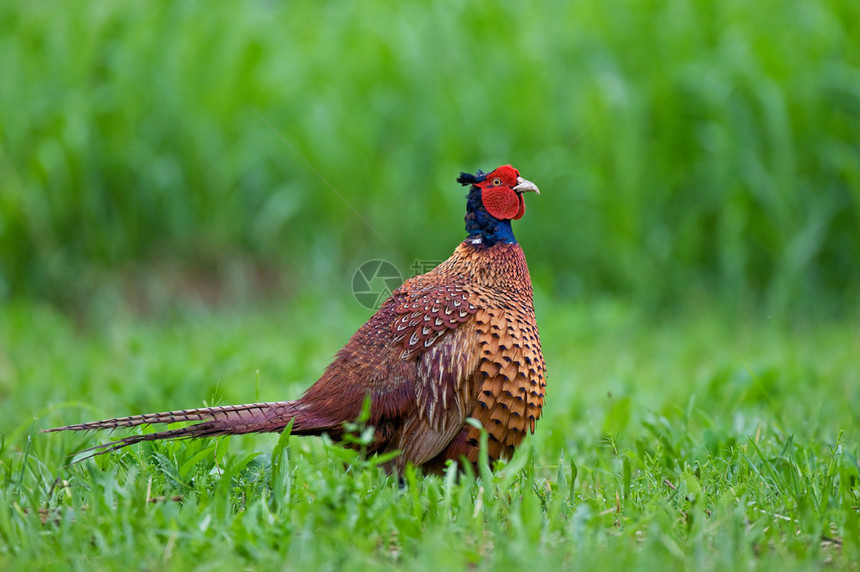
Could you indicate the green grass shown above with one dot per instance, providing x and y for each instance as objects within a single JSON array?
[{"x": 697, "y": 443}]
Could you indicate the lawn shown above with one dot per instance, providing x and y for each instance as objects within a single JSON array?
[{"x": 697, "y": 442}]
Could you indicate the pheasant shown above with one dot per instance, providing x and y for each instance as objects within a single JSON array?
[{"x": 459, "y": 341}]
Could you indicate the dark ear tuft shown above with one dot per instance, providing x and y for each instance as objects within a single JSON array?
[{"x": 470, "y": 179}]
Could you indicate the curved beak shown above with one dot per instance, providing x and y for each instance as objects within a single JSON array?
[{"x": 524, "y": 186}]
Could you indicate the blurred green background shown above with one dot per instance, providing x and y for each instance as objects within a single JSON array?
[{"x": 160, "y": 151}]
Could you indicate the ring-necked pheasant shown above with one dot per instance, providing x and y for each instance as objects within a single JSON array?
[{"x": 459, "y": 341}]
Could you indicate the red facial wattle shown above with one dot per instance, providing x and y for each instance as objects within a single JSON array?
[{"x": 503, "y": 203}]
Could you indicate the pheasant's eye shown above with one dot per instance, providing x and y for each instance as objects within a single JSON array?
[{"x": 497, "y": 182}]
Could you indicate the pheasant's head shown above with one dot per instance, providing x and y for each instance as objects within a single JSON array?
[{"x": 494, "y": 200}]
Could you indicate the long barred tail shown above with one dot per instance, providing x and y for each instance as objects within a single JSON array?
[{"x": 226, "y": 420}]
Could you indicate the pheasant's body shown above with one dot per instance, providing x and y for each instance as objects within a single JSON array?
[{"x": 460, "y": 341}]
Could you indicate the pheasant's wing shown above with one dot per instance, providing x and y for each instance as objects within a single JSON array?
[
  {"x": 436, "y": 327},
  {"x": 408, "y": 358},
  {"x": 426, "y": 314},
  {"x": 446, "y": 397}
]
